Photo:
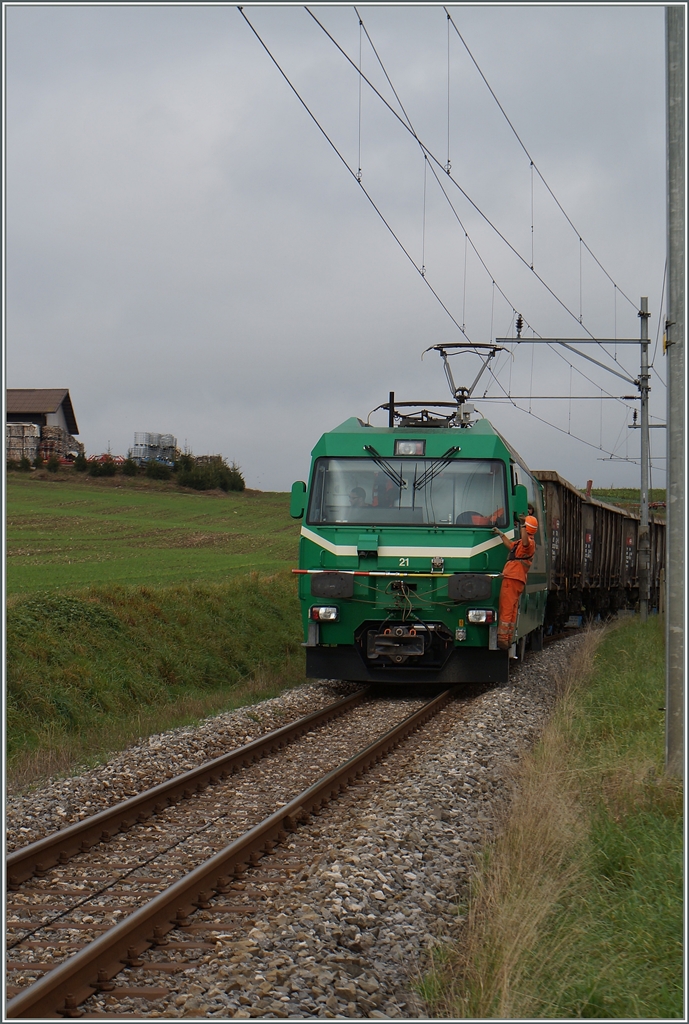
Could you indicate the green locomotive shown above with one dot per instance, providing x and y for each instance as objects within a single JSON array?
[{"x": 399, "y": 568}]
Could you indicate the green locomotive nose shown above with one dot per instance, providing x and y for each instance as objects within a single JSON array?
[{"x": 399, "y": 565}]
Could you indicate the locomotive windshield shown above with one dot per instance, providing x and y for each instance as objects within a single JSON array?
[{"x": 402, "y": 492}]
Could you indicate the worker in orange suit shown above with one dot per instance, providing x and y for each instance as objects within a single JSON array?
[{"x": 514, "y": 575}]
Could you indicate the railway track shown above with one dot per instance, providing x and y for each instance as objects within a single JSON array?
[
  {"x": 146, "y": 886},
  {"x": 81, "y": 837}
]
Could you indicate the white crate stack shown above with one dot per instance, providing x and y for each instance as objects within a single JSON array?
[{"x": 147, "y": 446}]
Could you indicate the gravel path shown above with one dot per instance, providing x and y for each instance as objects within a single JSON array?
[{"x": 383, "y": 866}]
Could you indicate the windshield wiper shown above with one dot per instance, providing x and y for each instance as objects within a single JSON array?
[
  {"x": 436, "y": 467},
  {"x": 389, "y": 470}
]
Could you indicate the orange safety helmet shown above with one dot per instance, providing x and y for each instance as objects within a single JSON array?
[{"x": 531, "y": 524}]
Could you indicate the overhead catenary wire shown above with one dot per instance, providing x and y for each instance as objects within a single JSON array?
[
  {"x": 464, "y": 285},
  {"x": 558, "y": 352},
  {"x": 569, "y": 416},
  {"x": 449, "y": 201},
  {"x": 430, "y": 159},
  {"x": 577, "y": 369},
  {"x": 358, "y": 173},
  {"x": 533, "y": 164},
  {"x": 532, "y": 234},
  {"x": 581, "y": 287},
  {"x": 467, "y": 238},
  {"x": 662, "y": 299},
  {"x": 408, "y": 127},
  {"x": 533, "y": 350},
  {"x": 353, "y": 173},
  {"x": 541, "y": 419},
  {"x": 448, "y": 165},
  {"x": 509, "y": 354},
  {"x": 582, "y": 243},
  {"x": 407, "y": 124},
  {"x": 492, "y": 308},
  {"x": 423, "y": 230},
  {"x": 624, "y": 433}
]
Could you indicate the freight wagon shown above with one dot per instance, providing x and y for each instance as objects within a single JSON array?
[
  {"x": 399, "y": 567},
  {"x": 593, "y": 568}
]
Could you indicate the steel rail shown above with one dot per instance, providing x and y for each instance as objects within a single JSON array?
[
  {"x": 59, "y": 992},
  {"x": 60, "y": 847}
]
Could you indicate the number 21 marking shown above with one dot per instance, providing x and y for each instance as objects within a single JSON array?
[{"x": 404, "y": 561}]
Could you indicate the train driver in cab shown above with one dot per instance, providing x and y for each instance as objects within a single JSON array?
[
  {"x": 357, "y": 498},
  {"x": 514, "y": 575}
]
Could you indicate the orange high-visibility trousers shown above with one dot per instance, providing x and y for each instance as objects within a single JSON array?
[{"x": 510, "y": 592}]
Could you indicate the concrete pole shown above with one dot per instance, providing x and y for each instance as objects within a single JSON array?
[
  {"x": 644, "y": 543},
  {"x": 675, "y": 327}
]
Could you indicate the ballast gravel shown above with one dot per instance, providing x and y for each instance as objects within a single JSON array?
[
  {"x": 383, "y": 867},
  {"x": 111, "y": 880},
  {"x": 59, "y": 803}
]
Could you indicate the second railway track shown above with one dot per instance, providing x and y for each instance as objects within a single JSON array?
[{"x": 86, "y": 903}]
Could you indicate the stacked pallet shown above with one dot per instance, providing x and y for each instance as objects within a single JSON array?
[
  {"x": 22, "y": 441},
  {"x": 58, "y": 441}
]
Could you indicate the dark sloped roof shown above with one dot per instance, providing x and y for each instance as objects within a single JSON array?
[{"x": 42, "y": 400}]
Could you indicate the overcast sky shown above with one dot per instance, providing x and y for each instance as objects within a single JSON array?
[{"x": 188, "y": 255}]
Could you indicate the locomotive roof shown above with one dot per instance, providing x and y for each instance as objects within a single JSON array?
[{"x": 480, "y": 440}]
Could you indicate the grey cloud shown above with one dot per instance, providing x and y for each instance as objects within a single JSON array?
[{"x": 187, "y": 254}]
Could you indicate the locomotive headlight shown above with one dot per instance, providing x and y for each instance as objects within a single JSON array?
[
  {"x": 410, "y": 447},
  {"x": 481, "y": 615},
  {"x": 324, "y": 613}
]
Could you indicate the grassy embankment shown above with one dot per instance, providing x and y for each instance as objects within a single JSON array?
[
  {"x": 138, "y": 608},
  {"x": 629, "y": 497},
  {"x": 576, "y": 910}
]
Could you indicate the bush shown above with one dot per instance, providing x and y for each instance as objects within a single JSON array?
[
  {"x": 157, "y": 471},
  {"x": 38, "y": 461},
  {"x": 184, "y": 462},
  {"x": 80, "y": 463},
  {"x": 236, "y": 478},
  {"x": 53, "y": 464},
  {"x": 24, "y": 465},
  {"x": 216, "y": 474},
  {"x": 12, "y": 465},
  {"x": 105, "y": 468},
  {"x": 130, "y": 468}
]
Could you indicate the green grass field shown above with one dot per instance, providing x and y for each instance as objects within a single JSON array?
[
  {"x": 65, "y": 532},
  {"x": 629, "y": 497},
  {"x": 135, "y": 606}
]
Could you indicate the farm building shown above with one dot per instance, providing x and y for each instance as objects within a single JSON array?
[
  {"x": 41, "y": 421},
  {"x": 46, "y": 407}
]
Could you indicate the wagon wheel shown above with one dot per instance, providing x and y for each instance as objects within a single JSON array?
[{"x": 536, "y": 639}]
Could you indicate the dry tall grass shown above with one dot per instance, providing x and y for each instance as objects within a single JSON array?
[{"x": 535, "y": 860}]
